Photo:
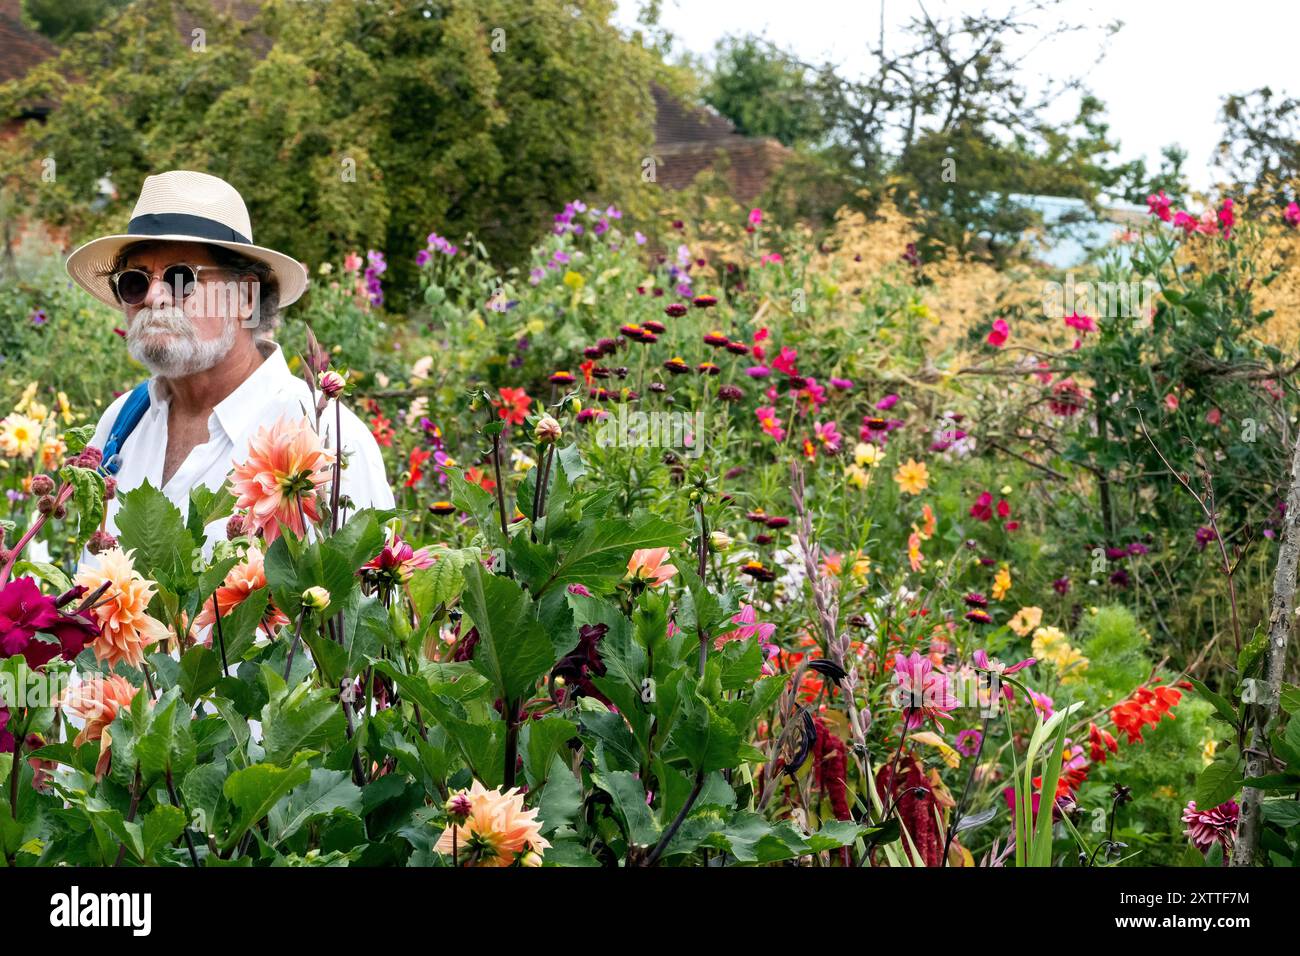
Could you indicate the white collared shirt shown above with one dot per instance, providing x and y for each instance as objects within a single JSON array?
[{"x": 268, "y": 393}]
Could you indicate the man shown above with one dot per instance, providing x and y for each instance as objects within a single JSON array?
[{"x": 200, "y": 301}]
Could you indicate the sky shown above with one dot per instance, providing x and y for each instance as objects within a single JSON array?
[{"x": 1162, "y": 78}]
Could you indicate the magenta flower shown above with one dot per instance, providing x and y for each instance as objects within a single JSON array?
[
  {"x": 771, "y": 424},
  {"x": 828, "y": 436},
  {"x": 785, "y": 361},
  {"x": 888, "y": 402},
  {"x": 1158, "y": 205},
  {"x": 1207, "y": 827},
  {"x": 982, "y": 509},
  {"x": 755, "y": 217},
  {"x": 1084, "y": 323},
  {"x": 843, "y": 384},
  {"x": 968, "y": 742},
  {"x": 998, "y": 337},
  {"x": 1292, "y": 214},
  {"x": 997, "y": 668},
  {"x": 922, "y": 691}
]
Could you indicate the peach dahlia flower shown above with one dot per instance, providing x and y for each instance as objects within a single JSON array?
[
  {"x": 126, "y": 628},
  {"x": 278, "y": 482},
  {"x": 97, "y": 700},
  {"x": 496, "y": 828},
  {"x": 647, "y": 564},
  {"x": 241, "y": 581}
]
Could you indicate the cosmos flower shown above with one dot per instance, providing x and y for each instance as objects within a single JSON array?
[
  {"x": 912, "y": 477},
  {"x": 20, "y": 436},
  {"x": 277, "y": 484}
]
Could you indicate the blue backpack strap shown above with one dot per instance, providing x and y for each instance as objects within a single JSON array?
[{"x": 137, "y": 403}]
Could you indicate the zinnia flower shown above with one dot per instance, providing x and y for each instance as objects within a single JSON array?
[
  {"x": 496, "y": 829},
  {"x": 278, "y": 482},
  {"x": 96, "y": 700},
  {"x": 998, "y": 336},
  {"x": 1025, "y": 620},
  {"x": 126, "y": 628}
]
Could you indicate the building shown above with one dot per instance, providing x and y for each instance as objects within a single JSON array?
[{"x": 689, "y": 140}]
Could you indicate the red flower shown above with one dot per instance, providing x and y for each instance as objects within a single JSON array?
[
  {"x": 481, "y": 478},
  {"x": 982, "y": 509},
  {"x": 1100, "y": 741},
  {"x": 514, "y": 405},
  {"x": 418, "y": 457},
  {"x": 382, "y": 429}
]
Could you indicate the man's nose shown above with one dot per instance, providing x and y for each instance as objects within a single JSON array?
[{"x": 161, "y": 294}]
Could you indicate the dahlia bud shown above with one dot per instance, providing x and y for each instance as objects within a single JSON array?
[
  {"x": 42, "y": 485},
  {"x": 236, "y": 527},
  {"x": 90, "y": 457},
  {"x": 316, "y": 599},
  {"x": 101, "y": 541},
  {"x": 459, "y": 807},
  {"x": 547, "y": 430},
  {"x": 110, "y": 488},
  {"x": 331, "y": 382},
  {"x": 45, "y": 505},
  {"x": 531, "y": 858},
  {"x": 60, "y": 512},
  {"x": 719, "y": 541}
]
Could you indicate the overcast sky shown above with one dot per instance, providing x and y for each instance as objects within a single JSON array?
[{"x": 1162, "y": 78}]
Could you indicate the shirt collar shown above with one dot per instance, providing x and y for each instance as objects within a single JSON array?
[{"x": 240, "y": 409}]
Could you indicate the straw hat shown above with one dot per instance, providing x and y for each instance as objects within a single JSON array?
[{"x": 184, "y": 206}]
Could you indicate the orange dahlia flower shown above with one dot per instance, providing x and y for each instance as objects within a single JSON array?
[
  {"x": 495, "y": 829},
  {"x": 97, "y": 700},
  {"x": 241, "y": 581},
  {"x": 278, "y": 482},
  {"x": 647, "y": 564},
  {"x": 125, "y": 627}
]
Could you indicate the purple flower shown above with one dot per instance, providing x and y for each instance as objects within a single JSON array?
[
  {"x": 536, "y": 275},
  {"x": 639, "y": 237},
  {"x": 886, "y": 403},
  {"x": 843, "y": 384},
  {"x": 1138, "y": 548},
  {"x": 1061, "y": 586},
  {"x": 39, "y": 318},
  {"x": 758, "y": 371},
  {"x": 968, "y": 742},
  {"x": 1203, "y": 537},
  {"x": 423, "y": 257}
]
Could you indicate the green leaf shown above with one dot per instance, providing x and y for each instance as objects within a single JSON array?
[
  {"x": 199, "y": 672},
  {"x": 88, "y": 492},
  {"x": 161, "y": 825},
  {"x": 46, "y": 572},
  {"x": 207, "y": 506},
  {"x": 630, "y": 803},
  {"x": 325, "y": 792},
  {"x": 598, "y": 559},
  {"x": 561, "y": 797},
  {"x": 303, "y": 719},
  {"x": 512, "y": 652},
  {"x": 239, "y": 627},
  {"x": 544, "y": 739},
  {"x": 1218, "y": 700},
  {"x": 706, "y": 738},
  {"x": 255, "y": 790},
  {"x": 151, "y": 525},
  {"x": 1219, "y": 781}
]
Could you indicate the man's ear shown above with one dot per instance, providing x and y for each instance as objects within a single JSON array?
[{"x": 250, "y": 299}]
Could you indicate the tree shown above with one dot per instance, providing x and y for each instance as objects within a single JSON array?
[
  {"x": 1260, "y": 146},
  {"x": 764, "y": 92},
  {"x": 364, "y": 125},
  {"x": 61, "y": 19}
]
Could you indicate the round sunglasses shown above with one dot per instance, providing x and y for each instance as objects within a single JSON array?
[{"x": 131, "y": 286}]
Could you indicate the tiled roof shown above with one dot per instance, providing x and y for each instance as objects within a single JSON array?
[
  {"x": 688, "y": 140},
  {"x": 20, "y": 48}
]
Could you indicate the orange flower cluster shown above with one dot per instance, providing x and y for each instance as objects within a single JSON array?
[{"x": 1144, "y": 708}]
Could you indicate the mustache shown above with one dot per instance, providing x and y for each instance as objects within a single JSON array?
[{"x": 167, "y": 319}]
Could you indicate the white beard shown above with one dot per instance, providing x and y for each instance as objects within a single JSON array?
[{"x": 163, "y": 341}]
